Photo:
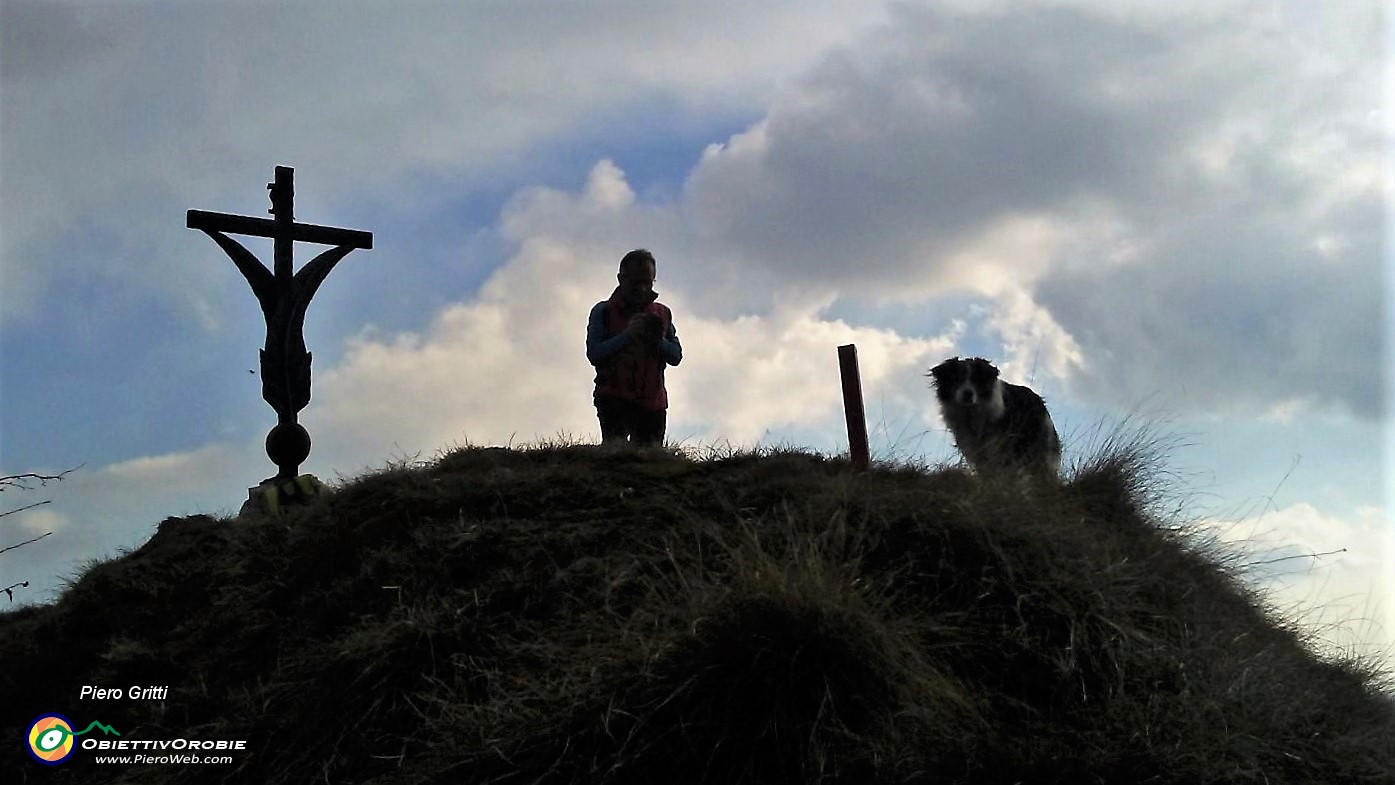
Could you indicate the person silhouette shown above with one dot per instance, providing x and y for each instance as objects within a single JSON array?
[{"x": 631, "y": 340}]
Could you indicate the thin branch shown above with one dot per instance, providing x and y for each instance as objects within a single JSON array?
[
  {"x": 24, "y": 482},
  {"x": 26, "y": 542},
  {"x": 21, "y": 481},
  {"x": 27, "y": 507},
  {"x": 1297, "y": 556}
]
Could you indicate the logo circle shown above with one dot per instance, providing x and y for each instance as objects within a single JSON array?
[{"x": 51, "y": 739}]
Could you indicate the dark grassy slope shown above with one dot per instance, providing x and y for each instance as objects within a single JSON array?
[{"x": 571, "y": 615}]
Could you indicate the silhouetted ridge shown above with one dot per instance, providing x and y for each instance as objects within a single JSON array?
[{"x": 573, "y": 614}]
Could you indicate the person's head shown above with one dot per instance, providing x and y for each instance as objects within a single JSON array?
[{"x": 636, "y": 276}]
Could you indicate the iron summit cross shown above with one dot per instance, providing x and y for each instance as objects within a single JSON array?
[{"x": 284, "y": 295}]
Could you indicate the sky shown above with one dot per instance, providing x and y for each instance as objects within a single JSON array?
[{"x": 1171, "y": 215}]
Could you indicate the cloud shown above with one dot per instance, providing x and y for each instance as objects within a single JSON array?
[
  {"x": 118, "y": 118},
  {"x": 36, "y": 523},
  {"x": 1189, "y": 208},
  {"x": 190, "y": 478},
  {"x": 1234, "y": 310},
  {"x": 1304, "y": 529},
  {"x": 509, "y": 362},
  {"x": 42, "y": 39},
  {"x": 1118, "y": 186},
  {"x": 756, "y": 373},
  {"x": 1136, "y": 210},
  {"x": 1331, "y": 572},
  {"x": 882, "y": 162},
  {"x": 509, "y": 365}
]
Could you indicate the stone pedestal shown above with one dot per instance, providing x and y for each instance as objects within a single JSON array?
[{"x": 274, "y": 496}]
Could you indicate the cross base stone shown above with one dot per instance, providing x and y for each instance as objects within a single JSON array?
[{"x": 273, "y": 496}]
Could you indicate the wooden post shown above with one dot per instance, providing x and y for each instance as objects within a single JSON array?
[
  {"x": 283, "y": 208},
  {"x": 852, "y": 407}
]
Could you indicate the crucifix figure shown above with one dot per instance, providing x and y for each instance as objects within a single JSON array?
[{"x": 283, "y": 296}]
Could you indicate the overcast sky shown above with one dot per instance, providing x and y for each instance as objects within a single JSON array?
[{"x": 1163, "y": 212}]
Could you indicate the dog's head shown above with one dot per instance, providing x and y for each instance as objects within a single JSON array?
[{"x": 965, "y": 382}]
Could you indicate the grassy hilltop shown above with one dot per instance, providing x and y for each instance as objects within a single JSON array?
[{"x": 569, "y": 614}]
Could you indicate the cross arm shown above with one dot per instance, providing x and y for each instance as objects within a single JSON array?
[
  {"x": 262, "y": 281},
  {"x": 265, "y": 227}
]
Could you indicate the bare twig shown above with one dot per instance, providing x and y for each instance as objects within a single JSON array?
[
  {"x": 1295, "y": 556},
  {"x": 22, "y": 481},
  {"x": 10, "y": 590},
  {"x": 26, "y": 542},
  {"x": 25, "y": 481},
  {"x": 22, "y": 509}
]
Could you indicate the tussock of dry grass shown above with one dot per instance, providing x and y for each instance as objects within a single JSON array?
[{"x": 564, "y": 613}]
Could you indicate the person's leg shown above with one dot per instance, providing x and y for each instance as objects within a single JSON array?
[
  {"x": 650, "y": 427},
  {"x": 615, "y": 426}
]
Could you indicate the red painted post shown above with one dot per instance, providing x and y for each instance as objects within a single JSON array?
[{"x": 852, "y": 407}]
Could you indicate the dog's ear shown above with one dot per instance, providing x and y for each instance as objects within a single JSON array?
[
  {"x": 984, "y": 369},
  {"x": 939, "y": 372}
]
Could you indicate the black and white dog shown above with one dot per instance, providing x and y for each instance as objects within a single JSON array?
[{"x": 998, "y": 426}]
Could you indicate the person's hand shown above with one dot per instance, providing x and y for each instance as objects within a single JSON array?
[
  {"x": 645, "y": 328},
  {"x": 653, "y": 328}
]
